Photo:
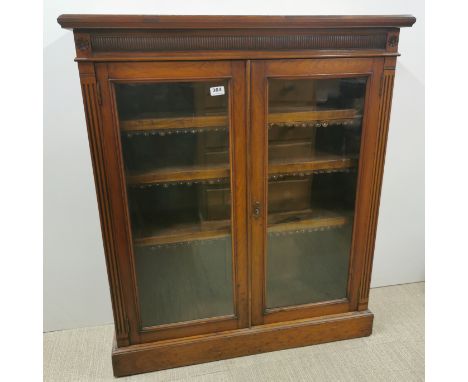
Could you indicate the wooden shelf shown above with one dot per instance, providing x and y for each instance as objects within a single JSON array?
[
  {"x": 278, "y": 222},
  {"x": 305, "y": 220},
  {"x": 320, "y": 161},
  {"x": 213, "y": 121},
  {"x": 177, "y": 174},
  {"x": 312, "y": 116},
  {"x": 150, "y": 124},
  {"x": 185, "y": 232}
]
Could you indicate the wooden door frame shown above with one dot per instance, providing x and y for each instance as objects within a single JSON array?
[
  {"x": 119, "y": 224},
  {"x": 363, "y": 231}
]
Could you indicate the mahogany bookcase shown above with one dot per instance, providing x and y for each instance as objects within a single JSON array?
[{"x": 238, "y": 166}]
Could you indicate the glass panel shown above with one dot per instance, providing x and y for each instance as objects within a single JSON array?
[
  {"x": 175, "y": 142},
  {"x": 314, "y": 133}
]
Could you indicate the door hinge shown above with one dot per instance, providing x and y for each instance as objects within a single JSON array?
[{"x": 98, "y": 91}]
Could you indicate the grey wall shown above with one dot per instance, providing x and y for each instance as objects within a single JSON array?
[{"x": 76, "y": 292}]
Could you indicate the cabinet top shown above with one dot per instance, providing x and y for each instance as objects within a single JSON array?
[{"x": 231, "y": 22}]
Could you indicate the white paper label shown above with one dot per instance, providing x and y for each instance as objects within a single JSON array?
[{"x": 217, "y": 90}]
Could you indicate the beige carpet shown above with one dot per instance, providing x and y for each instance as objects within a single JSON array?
[{"x": 394, "y": 352}]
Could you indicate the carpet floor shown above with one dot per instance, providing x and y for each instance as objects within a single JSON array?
[{"x": 394, "y": 352}]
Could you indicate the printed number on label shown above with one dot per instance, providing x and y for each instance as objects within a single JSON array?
[{"x": 217, "y": 90}]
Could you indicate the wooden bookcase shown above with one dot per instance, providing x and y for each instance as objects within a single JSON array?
[{"x": 238, "y": 164}]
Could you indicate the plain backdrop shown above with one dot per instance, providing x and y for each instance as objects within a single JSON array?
[{"x": 76, "y": 291}]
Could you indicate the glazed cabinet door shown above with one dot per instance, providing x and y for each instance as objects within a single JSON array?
[
  {"x": 311, "y": 125},
  {"x": 175, "y": 147}
]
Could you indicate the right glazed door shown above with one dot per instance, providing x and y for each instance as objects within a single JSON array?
[{"x": 309, "y": 124}]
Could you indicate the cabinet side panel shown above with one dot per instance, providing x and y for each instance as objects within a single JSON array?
[
  {"x": 386, "y": 91},
  {"x": 91, "y": 101}
]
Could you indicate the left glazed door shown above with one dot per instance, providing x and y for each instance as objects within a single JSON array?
[{"x": 177, "y": 180}]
